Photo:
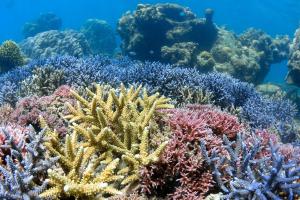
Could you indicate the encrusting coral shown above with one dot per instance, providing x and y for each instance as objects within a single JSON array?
[{"x": 109, "y": 127}]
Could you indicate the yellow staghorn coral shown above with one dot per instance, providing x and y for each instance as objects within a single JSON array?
[
  {"x": 81, "y": 173},
  {"x": 117, "y": 121}
]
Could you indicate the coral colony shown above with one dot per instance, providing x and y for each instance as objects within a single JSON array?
[{"x": 171, "y": 119}]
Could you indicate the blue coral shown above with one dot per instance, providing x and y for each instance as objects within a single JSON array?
[
  {"x": 259, "y": 111},
  {"x": 23, "y": 175},
  {"x": 251, "y": 178}
]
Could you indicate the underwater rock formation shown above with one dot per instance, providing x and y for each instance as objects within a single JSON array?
[
  {"x": 45, "y": 22},
  {"x": 249, "y": 55},
  {"x": 100, "y": 36},
  {"x": 53, "y": 43},
  {"x": 10, "y": 56},
  {"x": 157, "y": 32},
  {"x": 293, "y": 76},
  {"x": 180, "y": 38}
]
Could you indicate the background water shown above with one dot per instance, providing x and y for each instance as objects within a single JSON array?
[{"x": 273, "y": 16}]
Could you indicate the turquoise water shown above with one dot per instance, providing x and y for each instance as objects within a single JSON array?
[{"x": 274, "y": 17}]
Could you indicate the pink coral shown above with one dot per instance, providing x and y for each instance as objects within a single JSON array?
[
  {"x": 51, "y": 107},
  {"x": 182, "y": 172},
  {"x": 19, "y": 135},
  {"x": 288, "y": 151}
]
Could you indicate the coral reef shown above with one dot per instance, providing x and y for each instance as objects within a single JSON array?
[
  {"x": 182, "y": 39},
  {"x": 250, "y": 177},
  {"x": 175, "y": 27},
  {"x": 173, "y": 82},
  {"x": 182, "y": 172},
  {"x": 78, "y": 175},
  {"x": 294, "y": 60},
  {"x": 100, "y": 36},
  {"x": 23, "y": 174},
  {"x": 53, "y": 43},
  {"x": 51, "y": 108},
  {"x": 10, "y": 56},
  {"x": 111, "y": 128},
  {"x": 249, "y": 55},
  {"x": 43, "y": 81},
  {"x": 45, "y": 22},
  {"x": 270, "y": 90}
]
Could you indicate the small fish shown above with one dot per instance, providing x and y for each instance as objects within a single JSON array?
[
  {"x": 151, "y": 52},
  {"x": 132, "y": 53}
]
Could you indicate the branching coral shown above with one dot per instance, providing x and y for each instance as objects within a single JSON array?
[
  {"x": 80, "y": 174},
  {"x": 261, "y": 178},
  {"x": 183, "y": 172},
  {"x": 51, "y": 107},
  {"x": 167, "y": 80},
  {"x": 10, "y": 56},
  {"x": 23, "y": 174},
  {"x": 43, "y": 81},
  {"x": 110, "y": 127},
  {"x": 119, "y": 124}
]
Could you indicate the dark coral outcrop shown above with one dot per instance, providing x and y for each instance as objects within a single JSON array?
[{"x": 156, "y": 32}]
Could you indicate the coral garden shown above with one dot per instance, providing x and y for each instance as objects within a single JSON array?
[{"x": 179, "y": 114}]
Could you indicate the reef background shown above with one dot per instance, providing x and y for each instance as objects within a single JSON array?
[{"x": 274, "y": 17}]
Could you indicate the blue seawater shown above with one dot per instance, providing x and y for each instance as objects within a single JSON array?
[{"x": 274, "y": 17}]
